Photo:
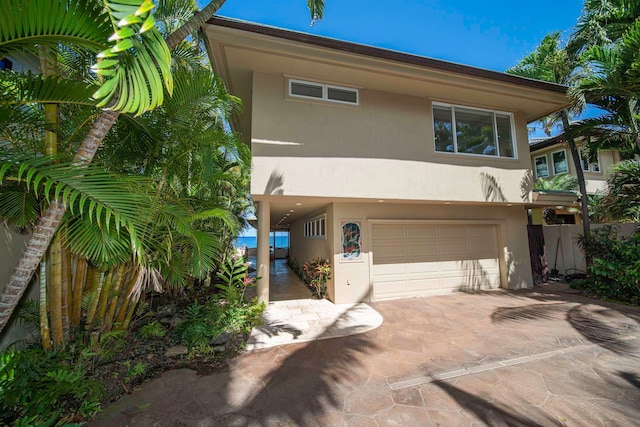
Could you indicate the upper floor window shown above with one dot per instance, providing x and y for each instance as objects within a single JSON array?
[
  {"x": 586, "y": 165},
  {"x": 324, "y": 92},
  {"x": 315, "y": 228},
  {"x": 560, "y": 164},
  {"x": 541, "y": 165},
  {"x": 477, "y": 131}
]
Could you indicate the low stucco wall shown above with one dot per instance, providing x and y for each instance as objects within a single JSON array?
[{"x": 563, "y": 252}]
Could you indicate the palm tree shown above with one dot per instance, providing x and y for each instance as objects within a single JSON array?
[
  {"x": 622, "y": 201},
  {"x": 553, "y": 63},
  {"x": 88, "y": 25},
  {"x": 608, "y": 39}
]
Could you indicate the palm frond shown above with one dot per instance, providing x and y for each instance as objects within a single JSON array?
[
  {"x": 88, "y": 191},
  {"x": 18, "y": 206},
  {"x": 26, "y": 23},
  {"x": 18, "y": 89},
  {"x": 138, "y": 65}
]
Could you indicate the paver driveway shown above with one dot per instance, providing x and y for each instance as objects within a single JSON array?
[{"x": 540, "y": 357}]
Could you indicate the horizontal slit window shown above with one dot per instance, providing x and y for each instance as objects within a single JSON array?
[
  {"x": 323, "y": 92},
  {"x": 315, "y": 228}
]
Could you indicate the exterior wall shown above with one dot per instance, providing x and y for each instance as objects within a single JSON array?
[
  {"x": 562, "y": 239},
  {"x": 11, "y": 246},
  {"x": 595, "y": 181},
  {"x": 346, "y": 148},
  {"x": 305, "y": 249},
  {"x": 352, "y": 279}
]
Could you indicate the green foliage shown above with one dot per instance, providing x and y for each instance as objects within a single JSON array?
[
  {"x": 152, "y": 330},
  {"x": 316, "y": 274},
  {"x": 615, "y": 270},
  {"x": 296, "y": 267},
  {"x": 563, "y": 182},
  {"x": 136, "y": 371},
  {"x": 203, "y": 323},
  {"x": 45, "y": 388},
  {"x": 234, "y": 274},
  {"x": 622, "y": 202}
]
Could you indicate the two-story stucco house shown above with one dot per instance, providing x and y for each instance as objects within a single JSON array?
[
  {"x": 550, "y": 157},
  {"x": 411, "y": 175}
]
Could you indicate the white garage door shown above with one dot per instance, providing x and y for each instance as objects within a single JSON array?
[{"x": 423, "y": 259}]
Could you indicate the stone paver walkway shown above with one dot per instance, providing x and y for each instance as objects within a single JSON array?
[
  {"x": 295, "y": 321},
  {"x": 541, "y": 357}
]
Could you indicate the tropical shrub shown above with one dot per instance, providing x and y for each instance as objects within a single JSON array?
[
  {"x": 614, "y": 272},
  {"x": 45, "y": 388},
  {"x": 316, "y": 274},
  {"x": 296, "y": 267},
  {"x": 228, "y": 311}
]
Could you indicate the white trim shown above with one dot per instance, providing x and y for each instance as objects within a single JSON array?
[
  {"x": 452, "y": 109},
  {"x": 325, "y": 91},
  {"x": 274, "y": 142},
  {"x": 590, "y": 165},
  {"x": 316, "y": 227},
  {"x": 535, "y": 166},
  {"x": 566, "y": 159}
]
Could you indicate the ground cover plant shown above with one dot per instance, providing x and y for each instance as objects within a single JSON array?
[
  {"x": 199, "y": 330},
  {"x": 614, "y": 272}
]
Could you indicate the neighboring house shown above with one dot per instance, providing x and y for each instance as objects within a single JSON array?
[
  {"x": 551, "y": 157},
  {"x": 354, "y": 152}
]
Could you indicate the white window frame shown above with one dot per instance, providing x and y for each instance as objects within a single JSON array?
[
  {"x": 535, "y": 166},
  {"x": 495, "y": 130},
  {"x": 566, "y": 159},
  {"x": 316, "y": 228},
  {"x": 591, "y": 167},
  {"x": 325, "y": 92}
]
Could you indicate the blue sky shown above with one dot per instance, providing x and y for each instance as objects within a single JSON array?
[{"x": 489, "y": 34}]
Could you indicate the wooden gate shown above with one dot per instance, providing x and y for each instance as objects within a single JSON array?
[{"x": 538, "y": 254}]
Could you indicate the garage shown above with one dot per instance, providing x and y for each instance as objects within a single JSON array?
[{"x": 416, "y": 259}]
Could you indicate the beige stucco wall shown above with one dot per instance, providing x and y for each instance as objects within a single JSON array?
[
  {"x": 595, "y": 181},
  {"x": 351, "y": 280},
  {"x": 562, "y": 240},
  {"x": 11, "y": 246},
  {"x": 380, "y": 149}
]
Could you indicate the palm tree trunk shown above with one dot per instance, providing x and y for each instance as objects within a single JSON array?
[
  {"x": 104, "y": 295},
  {"x": 66, "y": 291},
  {"x": 575, "y": 155},
  {"x": 44, "y": 315},
  {"x": 113, "y": 298},
  {"x": 78, "y": 284},
  {"x": 49, "y": 221},
  {"x": 129, "y": 296},
  {"x": 55, "y": 291},
  {"x": 97, "y": 280},
  {"x": 194, "y": 23}
]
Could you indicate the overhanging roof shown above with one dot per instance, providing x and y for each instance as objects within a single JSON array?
[
  {"x": 239, "y": 48},
  {"x": 381, "y": 53},
  {"x": 552, "y": 198}
]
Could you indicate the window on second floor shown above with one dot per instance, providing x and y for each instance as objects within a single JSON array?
[
  {"x": 324, "y": 92},
  {"x": 466, "y": 130},
  {"x": 586, "y": 165},
  {"x": 541, "y": 165},
  {"x": 560, "y": 163}
]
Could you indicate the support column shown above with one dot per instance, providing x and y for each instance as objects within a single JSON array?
[{"x": 262, "y": 262}]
